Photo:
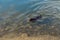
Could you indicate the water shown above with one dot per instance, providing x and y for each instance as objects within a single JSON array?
[
  {"x": 24, "y": 7},
  {"x": 16, "y": 13}
]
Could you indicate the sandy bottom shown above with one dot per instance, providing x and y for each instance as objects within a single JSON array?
[{"x": 25, "y": 37}]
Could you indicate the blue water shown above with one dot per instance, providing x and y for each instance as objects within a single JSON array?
[
  {"x": 14, "y": 5},
  {"x": 23, "y": 8},
  {"x": 15, "y": 15},
  {"x": 10, "y": 7}
]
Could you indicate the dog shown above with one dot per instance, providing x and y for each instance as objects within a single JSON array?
[{"x": 35, "y": 19}]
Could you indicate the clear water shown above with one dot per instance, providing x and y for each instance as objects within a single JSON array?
[{"x": 17, "y": 12}]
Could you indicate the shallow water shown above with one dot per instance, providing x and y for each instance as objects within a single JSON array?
[{"x": 15, "y": 15}]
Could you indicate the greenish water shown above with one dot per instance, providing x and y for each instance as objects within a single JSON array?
[{"x": 15, "y": 14}]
